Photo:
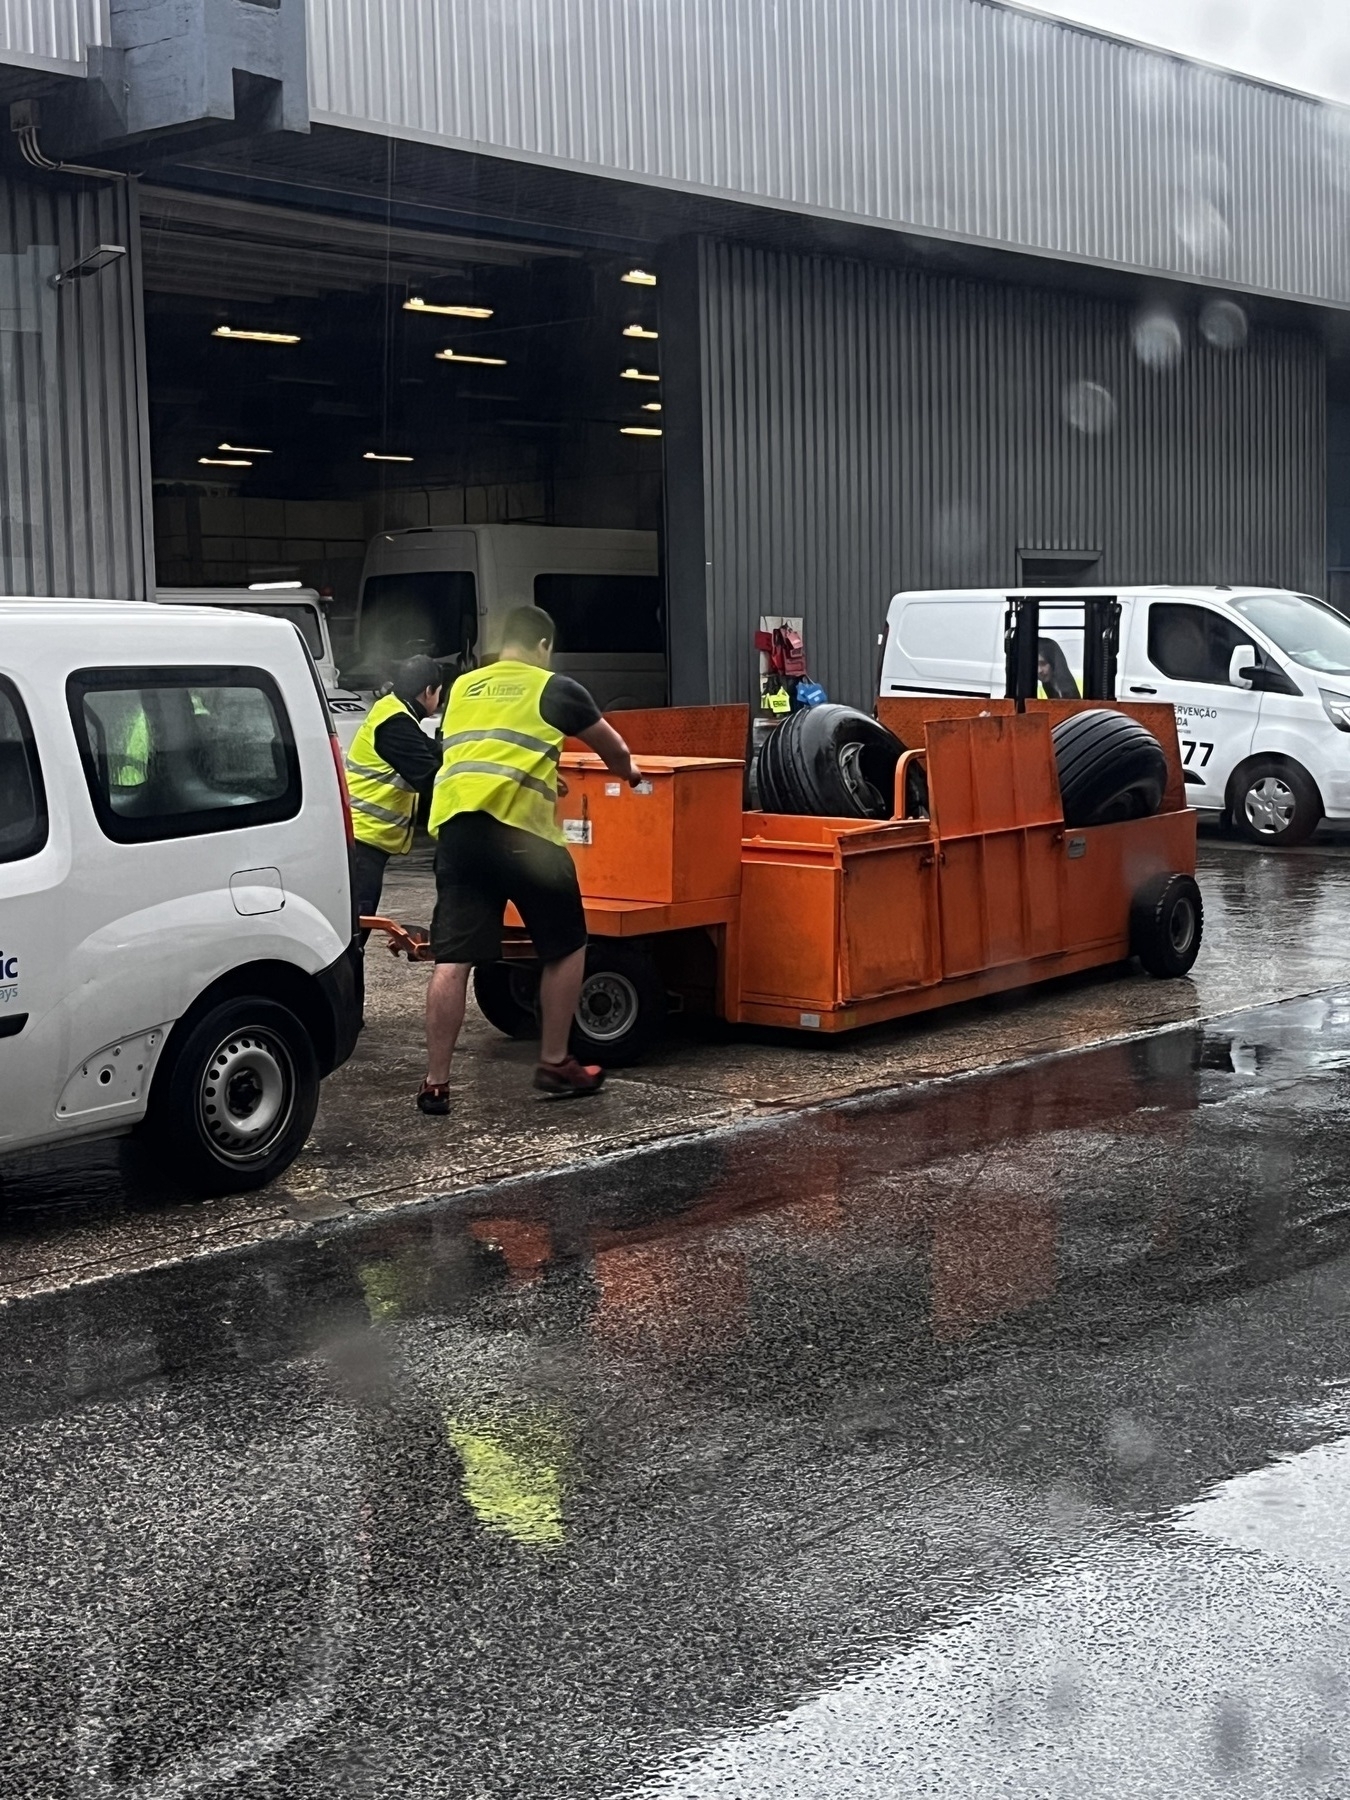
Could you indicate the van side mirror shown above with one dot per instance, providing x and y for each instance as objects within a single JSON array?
[{"x": 1242, "y": 666}]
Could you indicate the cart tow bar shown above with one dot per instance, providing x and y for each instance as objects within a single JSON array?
[{"x": 404, "y": 940}]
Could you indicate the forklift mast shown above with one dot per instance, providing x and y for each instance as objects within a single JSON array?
[{"x": 1101, "y": 644}]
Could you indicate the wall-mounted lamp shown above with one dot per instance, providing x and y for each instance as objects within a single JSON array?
[{"x": 101, "y": 257}]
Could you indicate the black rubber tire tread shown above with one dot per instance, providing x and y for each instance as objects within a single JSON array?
[
  {"x": 800, "y": 768},
  {"x": 171, "y": 1134},
  {"x": 498, "y": 1005},
  {"x": 1110, "y": 768},
  {"x": 1308, "y": 802},
  {"x": 1151, "y": 937},
  {"x": 634, "y": 962}
]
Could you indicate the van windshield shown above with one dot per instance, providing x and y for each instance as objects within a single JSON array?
[
  {"x": 1308, "y": 631},
  {"x": 419, "y": 612}
]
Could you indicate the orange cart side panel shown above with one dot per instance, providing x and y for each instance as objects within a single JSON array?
[
  {"x": 888, "y": 926},
  {"x": 907, "y": 716},
  {"x": 789, "y": 940},
  {"x": 722, "y": 731},
  {"x": 1098, "y": 887},
  {"x": 990, "y": 774},
  {"x": 1000, "y": 897}
]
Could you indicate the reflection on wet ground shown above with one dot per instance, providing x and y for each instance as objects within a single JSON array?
[{"x": 932, "y": 1446}]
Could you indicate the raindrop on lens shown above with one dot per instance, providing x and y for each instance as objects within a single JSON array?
[
  {"x": 1157, "y": 340},
  {"x": 1223, "y": 324},
  {"x": 1089, "y": 407}
]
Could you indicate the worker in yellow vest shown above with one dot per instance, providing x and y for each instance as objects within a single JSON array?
[
  {"x": 391, "y": 763},
  {"x": 493, "y": 814}
]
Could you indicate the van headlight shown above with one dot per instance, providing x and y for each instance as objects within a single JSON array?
[{"x": 1337, "y": 708}]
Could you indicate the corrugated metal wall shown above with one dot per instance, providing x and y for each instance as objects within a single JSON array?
[
  {"x": 867, "y": 429},
  {"x": 950, "y": 116},
  {"x": 51, "y": 32},
  {"x": 72, "y": 506}
]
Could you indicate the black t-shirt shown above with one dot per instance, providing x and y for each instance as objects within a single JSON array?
[
  {"x": 408, "y": 750},
  {"x": 567, "y": 707}
]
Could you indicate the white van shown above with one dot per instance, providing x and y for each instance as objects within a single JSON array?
[
  {"x": 176, "y": 931},
  {"x": 302, "y": 608},
  {"x": 445, "y": 590},
  {"x": 1259, "y": 677}
]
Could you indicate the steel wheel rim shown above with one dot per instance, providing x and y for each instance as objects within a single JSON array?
[
  {"x": 246, "y": 1095},
  {"x": 1270, "y": 805},
  {"x": 1181, "y": 926},
  {"x": 850, "y": 761},
  {"x": 608, "y": 1007}
]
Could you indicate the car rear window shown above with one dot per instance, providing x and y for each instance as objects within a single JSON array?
[
  {"x": 23, "y": 800},
  {"x": 178, "y": 752}
]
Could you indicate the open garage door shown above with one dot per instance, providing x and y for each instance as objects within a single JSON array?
[{"x": 428, "y": 428}]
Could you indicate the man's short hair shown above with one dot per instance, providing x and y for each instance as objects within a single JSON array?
[
  {"x": 527, "y": 626},
  {"x": 415, "y": 676}
]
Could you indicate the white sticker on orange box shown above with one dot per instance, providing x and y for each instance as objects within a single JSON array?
[
  {"x": 613, "y": 789},
  {"x": 643, "y": 787},
  {"x": 576, "y": 831}
]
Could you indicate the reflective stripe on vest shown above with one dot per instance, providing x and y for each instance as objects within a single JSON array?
[
  {"x": 384, "y": 805},
  {"x": 501, "y": 754}
]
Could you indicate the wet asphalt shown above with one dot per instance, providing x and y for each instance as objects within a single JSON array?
[{"x": 989, "y": 1439}]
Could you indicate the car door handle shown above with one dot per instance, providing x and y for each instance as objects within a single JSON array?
[{"x": 1139, "y": 690}]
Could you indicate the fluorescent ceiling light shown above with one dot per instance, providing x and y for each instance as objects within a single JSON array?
[
  {"x": 256, "y": 337},
  {"x": 224, "y": 462},
  {"x": 640, "y": 430},
  {"x": 454, "y": 312},
  {"x": 269, "y": 587},
  {"x": 639, "y": 278},
  {"x": 639, "y": 331},
  {"x": 383, "y": 456},
  {"x": 488, "y": 362},
  {"x": 636, "y": 375},
  {"x": 243, "y": 450},
  {"x": 651, "y": 406}
]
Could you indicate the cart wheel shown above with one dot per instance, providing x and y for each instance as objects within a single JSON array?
[
  {"x": 622, "y": 1009},
  {"x": 235, "y": 1103},
  {"x": 508, "y": 997},
  {"x": 1166, "y": 923}
]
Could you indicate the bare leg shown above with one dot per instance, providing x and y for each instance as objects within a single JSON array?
[
  {"x": 559, "y": 991},
  {"x": 446, "y": 997}
]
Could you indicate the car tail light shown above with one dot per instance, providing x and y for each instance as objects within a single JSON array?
[{"x": 340, "y": 766}]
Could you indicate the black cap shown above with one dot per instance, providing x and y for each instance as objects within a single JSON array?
[{"x": 417, "y": 674}]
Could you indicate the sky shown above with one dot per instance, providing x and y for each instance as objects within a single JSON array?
[{"x": 1303, "y": 44}]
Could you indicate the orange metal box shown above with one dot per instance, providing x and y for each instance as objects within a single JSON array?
[{"x": 678, "y": 842}]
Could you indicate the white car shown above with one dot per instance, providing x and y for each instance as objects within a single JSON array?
[
  {"x": 302, "y": 608},
  {"x": 176, "y": 932},
  {"x": 1259, "y": 677}
]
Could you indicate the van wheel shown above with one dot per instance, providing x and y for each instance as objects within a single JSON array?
[
  {"x": 508, "y": 997},
  {"x": 622, "y": 1009},
  {"x": 1276, "y": 803},
  {"x": 240, "y": 1097},
  {"x": 1167, "y": 921}
]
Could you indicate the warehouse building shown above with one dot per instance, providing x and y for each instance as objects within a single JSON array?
[{"x": 825, "y": 299}]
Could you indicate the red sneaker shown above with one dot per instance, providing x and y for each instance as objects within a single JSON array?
[{"x": 568, "y": 1080}]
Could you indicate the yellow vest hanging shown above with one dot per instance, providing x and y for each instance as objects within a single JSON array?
[
  {"x": 501, "y": 754},
  {"x": 384, "y": 805}
]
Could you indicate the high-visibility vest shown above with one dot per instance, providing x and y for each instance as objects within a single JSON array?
[
  {"x": 129, "y": 752},
  {"x": 501, "y": 754},
  {"x": 384, "y": 805}
]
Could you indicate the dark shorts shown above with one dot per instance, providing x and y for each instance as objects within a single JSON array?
[{"x": 480, "y": 865}]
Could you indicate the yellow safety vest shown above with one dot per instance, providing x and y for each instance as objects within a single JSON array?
[
  {"x": 384, "y": 805},
  {"x": 501, "y": 754}
]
